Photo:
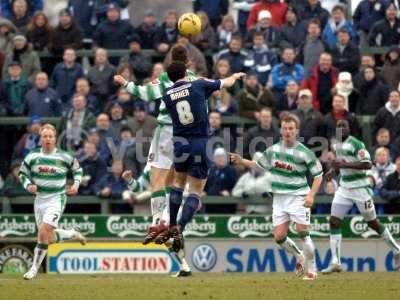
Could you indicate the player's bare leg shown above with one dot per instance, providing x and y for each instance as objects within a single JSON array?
[
  {"x": 286, "y": 243},
  {"x": 335, "y": 244},
  {"x": 389, "y": 240},
  {"x": 308, "y": 250},
  {"x": 47, "y": 235}
]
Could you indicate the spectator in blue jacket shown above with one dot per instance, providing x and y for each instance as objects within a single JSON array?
[
  {"x": 93, "y": 167},
  {"x": 338, "y": 21},
  {"x": 82, "y": 87},
  {"x": 214, "y": 9},
  {"x": 113, "y": 33},
  {"x": 42, "y": 100},
  {"x": 234, "y": 54},
  {"x": 286, "y": 71},
  {"x": 260, "y": 59},
  {"x": 65, "y": 75},
  {"x": 13, "y": 89},
  {"x": 32, "y": 6},
  {"x": 30, "y": 140},
  {"x": 111, "y": 185},
  {"x": 367, "y": 13},
  {"x": 20, "y": 13}
]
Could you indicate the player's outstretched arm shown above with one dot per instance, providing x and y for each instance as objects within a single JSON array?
[
  {"x": 133, "y": 184},
  {"x": 230, "y": 81},
  {"x": 358, "y": 165},
  {"x": 238, "y": 160},
  {"x": 148, "y": 92}
]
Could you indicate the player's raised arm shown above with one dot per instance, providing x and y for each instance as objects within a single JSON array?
[
  {"x": 149, "y": 92},
  {"x": 230, "y": 81}
]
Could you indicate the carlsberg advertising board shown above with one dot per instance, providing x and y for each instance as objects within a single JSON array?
[{"x": 202, "y": 226}]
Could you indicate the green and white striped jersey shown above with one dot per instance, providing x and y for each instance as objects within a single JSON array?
[
  {"x": 142, "y": 183},
  {"x": 289, "y": 167},
  {"x": 353, "y": 150},
  {"x": 154, "y": 91},
  {"x": 49, "y": 171}
]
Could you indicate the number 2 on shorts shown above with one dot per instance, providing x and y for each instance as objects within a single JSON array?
[{"x": 184, "y": 112}]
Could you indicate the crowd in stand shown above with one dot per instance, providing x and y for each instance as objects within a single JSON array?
[{"x": 302, "y": 56}]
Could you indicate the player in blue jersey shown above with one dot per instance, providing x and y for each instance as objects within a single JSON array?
[{"x": 187, "y": 105}]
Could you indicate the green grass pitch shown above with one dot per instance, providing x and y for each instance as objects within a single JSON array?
[{"x": 202, "y": 286}]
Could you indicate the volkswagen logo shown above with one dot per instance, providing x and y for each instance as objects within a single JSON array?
[{"x": 204, "y": 257}]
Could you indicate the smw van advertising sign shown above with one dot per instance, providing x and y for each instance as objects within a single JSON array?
[
  {"x": 73, "y": 258},
  {"x": 266, "y": 256}
]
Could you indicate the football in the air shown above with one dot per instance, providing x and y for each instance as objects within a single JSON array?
[{"x": 189, "y": 24}]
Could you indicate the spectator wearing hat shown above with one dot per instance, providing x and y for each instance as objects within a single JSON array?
[
  {"x": 234, "y": 54},
  {"x": 345, "y": 54},
  {"x": 117, "y": 118},
  {"x": 42, "y": 100},
  {"x": 30, "y": 140},
  {"x": 310, "y": 119},
  {"x": 113, "y": 33},
  {"x": 139, "y": 62},
  {"x": 66, "y": 35},
  {"x": 93, "y": 168},
  {"x": 82, "y": 87},
  {"x": 7, "y": 31},
  {"x": 221, "y": 179},
  {"x": 345, "y": 87},
  {"x": 167, "y": 34},
  {"x": 373, "y": 93},
  {"x": 275, "y": 7},
  {"x": 314, "y": 10},
  {"x": 253, "y": 97},
  {"x": 264, "y": 25},
  {"x": 147, "y": 30},
  {"x": 243, "y": 7},
  {"x": 142, "y": 125},
  {"x": 391, "y": 190},
  {"x": 367, "y": 13},
  {"x": 311, "y": 49},
  {"x": 261, "y": 136},
  {"x": 386, "y": 32},
  {"x": 260, "y": 59},
  {"x": 24, "y": 54},
  {"x": 12, "y": 185},
  {"x": 76, "y": 122},
  {"x": 337, "y": 22},
  {"x": 294, "y": 32},
  {"x": 100, "y": 76},
  {"x": 13, "y": 89},
  {"x": 215, "y": 10},
  {"x": 321, "y": 82},
  {"x": 103, "y": 6},
  {"x": 287, "y": 70},
  {"x": 390, "y": 71},
  {"x": 64, "y": 76}
]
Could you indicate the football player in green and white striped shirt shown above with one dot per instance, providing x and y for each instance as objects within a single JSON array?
[
  {"x": 288, "y": 163},
  {"x": 353, "y": 161},
  {"x": 44, "y": 174},
  {"x": 161, "y": 151}
]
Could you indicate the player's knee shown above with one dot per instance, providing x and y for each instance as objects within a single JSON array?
[
  {"x": 45, "y": 234},
  {"x": 335, "y": 222},
  {"x": 373, "y": 224},
  {"x": 279, "y": 237}
]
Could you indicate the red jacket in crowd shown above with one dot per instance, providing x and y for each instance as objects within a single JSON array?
[
  {"x": 277, "y": 10},
  {"x": 312, "y": 81}
]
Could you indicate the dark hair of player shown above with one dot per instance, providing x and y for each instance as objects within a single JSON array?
[
  {"x": 179, "y": 53},
  {"x": 288, "y": 118},
  {"x": 176, "y": 70}
]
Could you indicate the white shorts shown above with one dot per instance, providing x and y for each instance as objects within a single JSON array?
[
  {"x": 286, "y": 207},
  {"x": 49, "y": 211},
  {"x": 161, "y": 154},
  {"x": 345, "y": 198}
]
